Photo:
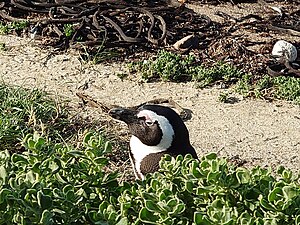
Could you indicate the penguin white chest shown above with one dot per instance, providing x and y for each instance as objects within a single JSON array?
[{"x": 139, "y": 152}]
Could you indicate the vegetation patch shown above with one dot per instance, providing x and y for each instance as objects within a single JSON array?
[
  {"x": 169, "y": 66},
  {"x": 2, "y": 47},
  {"x": 267, "y": 87},
  {"x": 55, "y": 182},
  {"x": 211, "y": 191},
  {"x": 68, "y": 30},
  {"x": 98, "y": 54},
  {"x": 58, "y": 184},
  {"x": 220, "y": 72},
  {"x": 166, "y": 66},
  {"x": 10, "y": 27},
  {"x": 24, "y": 111}
]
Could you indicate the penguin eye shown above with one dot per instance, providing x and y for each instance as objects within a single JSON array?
[{"x": 149, "y": 123}]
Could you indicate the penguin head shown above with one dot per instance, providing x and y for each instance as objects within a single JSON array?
[{"x": 153, "y": 125}]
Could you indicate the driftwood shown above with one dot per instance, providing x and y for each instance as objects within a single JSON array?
[{"x": 185, "y": 114}]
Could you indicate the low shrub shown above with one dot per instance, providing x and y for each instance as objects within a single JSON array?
[
  {"x": 10, "y": 27},
  {"x": 24, "y": 111},
  {"x": 220, "y": 72},
  {"x": 166, "y": 66},
  {"x": 56, "y": 184},
  {"x": 169, "y": 66},
  {"x": 53, "y": 182}
]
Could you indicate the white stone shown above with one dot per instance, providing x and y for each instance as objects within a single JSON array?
[
  {"x": 285, "y": 49},
  {"x": 190, "y": 41}
]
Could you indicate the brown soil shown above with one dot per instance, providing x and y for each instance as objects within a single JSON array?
[{"x": 259, "y": 132}]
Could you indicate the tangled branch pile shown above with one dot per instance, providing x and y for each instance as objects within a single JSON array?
[
  {"x": 115, "y": 23},
  {"x": 134, "y": 25}
]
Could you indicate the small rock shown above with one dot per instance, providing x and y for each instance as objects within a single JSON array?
[
  {"x": 190, "y": 41},
  {"x": 285, "y": 49}
]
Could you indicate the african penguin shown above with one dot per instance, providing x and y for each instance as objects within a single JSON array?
[{"x": 156, "y": 130}]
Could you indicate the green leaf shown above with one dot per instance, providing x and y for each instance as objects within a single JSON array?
[
  {"x": 154, "y": 183},
  {"x": 36, "y": 167},
  {"x": 243, "y": 176},
  {"x": 246, "y": 219},
  {"x": 205, "y": 189},
  {"x": 297, "y": 220},
  {"x": 70, "y": 195},
  {"x": 180, "y": 157},
  {"x": 147, "y": 217},
  {"x": 123, "y": 221},
  {"x": 76, "y": 153},
  {"x": 167, "y": 158},
  {"x": 211, "y": 156},
  {"x": 124, "y": 207},
  {"x": 30, "y": 193},
  {"x": 103, "y": 206},
  {"x": 205, "y": 165},
  {"x": 179, "y": 209},
  {"x": 39, "y": 143},
  {"x": 31, "y": 177},
  {"x": 3, "y": 174},
  {"x": 101, "y": 161},
  {"x": 110, "y": 212},
  {"x": 267, "y": 205},
  {"x": 67, "y": 188},
  {"x": 46, "y": 218},
  {"x": 3, "y": 193},
  {"x": 215, "y": 166},
  {"x": 112, "y": 216},
  {"x": 275, "y": 194},
  {"x": 13, "y": 183},
  {"x": 96, "y": 217},
  {"x": 152, "y": 206},
  {"x": 59, "y": 178},
  {"x": 164, "y": 194},
  {"x": 149, "y": 196},
  {"x": 57, "y": 193},
  {"x": 217, "y": 204},
  {"x": 196, "y": 169},
  {"x": 107, "y": 147},
  {"x": 213, "y": 176},
  {"x": 280, "y": 169},
  {"x": 56, "y": 165},
  {"x": 290, "y": 192},
  {"x": 172, "y": 202},
  {"x": 18, "y": 158},
  {"x": 200, "y": 219},
  {"x": 87, "y": 137},
  {"x": 44, "y": 201},
  {"x": 30, "y": 143},
  {"x": 189, "y": 186}
]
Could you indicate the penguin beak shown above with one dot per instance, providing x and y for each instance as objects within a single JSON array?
[{"x": 126, "y": 115}]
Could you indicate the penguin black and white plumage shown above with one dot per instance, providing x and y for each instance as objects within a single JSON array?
[{"x": 156, "y": 130}]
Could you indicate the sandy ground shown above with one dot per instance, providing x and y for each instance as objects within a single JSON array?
[{"x": 257, "y": 131}]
